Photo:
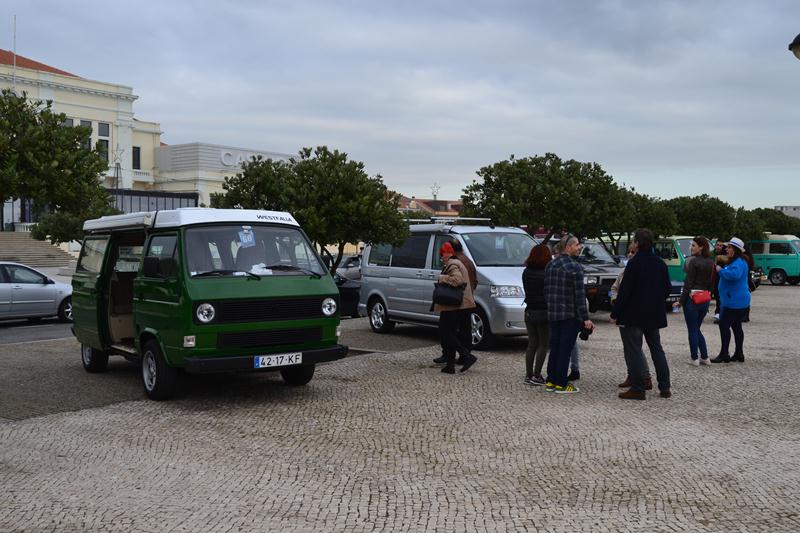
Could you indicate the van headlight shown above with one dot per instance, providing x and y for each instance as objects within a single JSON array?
[
  {"x": 506, "y": 291},
  {"x": 591, "y": 280},
  {"x": 205, "y": 313},
  {"x": 328, "y": 307}
]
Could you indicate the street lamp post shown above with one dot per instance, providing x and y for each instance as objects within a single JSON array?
[{"x": 794, "y": 47}]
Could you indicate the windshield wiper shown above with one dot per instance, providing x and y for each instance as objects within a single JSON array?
[
  {"x": 293, "y": 269},
  {"x": 210, "y": 273}
]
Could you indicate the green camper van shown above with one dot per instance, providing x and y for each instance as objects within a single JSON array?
[
  {"x": 674, "y": 251},
  {"x": 779, "y": 258},
  {"x": 204, "y": 290}
]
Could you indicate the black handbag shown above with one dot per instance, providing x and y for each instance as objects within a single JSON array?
[{"x": 444, "y": 294}]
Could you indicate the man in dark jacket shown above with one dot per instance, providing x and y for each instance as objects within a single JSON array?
[{"x": 640, "y": 311}]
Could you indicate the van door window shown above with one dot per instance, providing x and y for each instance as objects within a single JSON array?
[
  {"x": 92, "y": 253},
  {"x": 757, "y": 247},
  {"x": 780, "y": 248},
  {"x": 379, "y": 255},
  {"x": 163, "y": 247},
  {"x": 436, "y": 263},
  {"x": 413, "y": 252}
]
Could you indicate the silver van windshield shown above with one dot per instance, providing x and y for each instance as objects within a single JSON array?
[
  {"x": 497, "y": 248},
  {"x": 237, "y": 249}
]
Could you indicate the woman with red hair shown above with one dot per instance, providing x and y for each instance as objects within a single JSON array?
[
  {"x": 454, "y": 273},
  {"x": 535, "y": 313}
]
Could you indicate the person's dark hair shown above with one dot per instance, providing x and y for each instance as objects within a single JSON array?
[
  {"x": 456, "y": 244},
  {"x": 644, "y": 239},
  {"x": 540, "y": 255},
  {"x": 702, "y": 242}
]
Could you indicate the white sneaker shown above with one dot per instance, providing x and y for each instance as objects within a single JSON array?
[
  {"x": 705, "y": 361},
  {"x": 694, "y": 362}
]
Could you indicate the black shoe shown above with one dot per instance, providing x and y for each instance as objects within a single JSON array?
[
  {"x": 449, "y": 369},
  {"x": 574, "y": 376},
  {"x": 721, "y": 359},
  {"x": 440, "y": 360},
  {"x": 469, "y": 362},
  {"x": 460, "y": 360},
  {"x": 739, "y": 358}
]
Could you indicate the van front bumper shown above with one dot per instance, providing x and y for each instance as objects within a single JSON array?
[{"x": 210, "y": 365}]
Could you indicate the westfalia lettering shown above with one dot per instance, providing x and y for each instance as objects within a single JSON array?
[{"x": 274, "y": 217}]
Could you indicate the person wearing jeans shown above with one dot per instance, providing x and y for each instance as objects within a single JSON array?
[
  {"x": 699, "y": 269},
  {"x": 640, "y": 312}
]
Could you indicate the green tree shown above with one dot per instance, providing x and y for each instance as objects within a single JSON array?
[
  {"x": 331, "y": 196},
  {"x": 777, "y": 222},
  {"x": 702, "y": 215},
  {"x": 749, "y": 225},
  {"x": 42, "y": 160},
  {"x": 545, "y": 191}
]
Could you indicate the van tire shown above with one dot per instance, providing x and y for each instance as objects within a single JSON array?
[
  {"x": 158, "y": 378},
  {"x": 378, "y": 316},
  {"x": 777, "y": 277},
  {"x": 482, "y": 336},
  {"x": 65, "y": 310},
  {"x": 93, "y": 360},
  {"x": 297, "y": 376}
]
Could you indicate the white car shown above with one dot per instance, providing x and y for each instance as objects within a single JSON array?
[{"x": 27, "y": 293}]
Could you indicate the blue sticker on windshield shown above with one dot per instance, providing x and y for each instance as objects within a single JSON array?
[{"x": 246, "y": 239}]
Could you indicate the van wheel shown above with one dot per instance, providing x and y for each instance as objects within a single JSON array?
[
  {"x": 379, "y": 316},
  {"x": 482, "y": 336},
  {"x": 65, "y": 310},
  {"x": 158, "y": 378},
  {"x": 297, "y": 376},
  {"x": 93, "y": 360},
  {"x": 777, "y": 277}
]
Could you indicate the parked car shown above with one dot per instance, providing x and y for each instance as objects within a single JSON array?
[
  {"x": 397, "y": 282},
  {"x": 350, "y": 267},
  {"x": 778, "y": 256},
  {"x": 600, "y": 272},
  {"x": 348, "y": 295},
  {"x": 27, "y": 293}
]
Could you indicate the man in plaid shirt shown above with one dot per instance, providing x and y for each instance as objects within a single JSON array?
[{"x": 566, "y": 312}]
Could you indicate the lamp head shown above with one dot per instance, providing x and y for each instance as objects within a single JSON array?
[{"x": 794, "y": 47}]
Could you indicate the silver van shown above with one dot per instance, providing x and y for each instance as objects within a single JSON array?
[{"x": 397, "y": 282}]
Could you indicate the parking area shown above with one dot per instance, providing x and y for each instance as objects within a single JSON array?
[{"x": 383, "y": 440}]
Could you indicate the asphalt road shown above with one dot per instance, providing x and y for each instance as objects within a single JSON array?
[{"x": 15, "y": 331}]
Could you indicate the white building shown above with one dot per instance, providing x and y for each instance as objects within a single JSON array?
[{"x": 791, "y": 210}]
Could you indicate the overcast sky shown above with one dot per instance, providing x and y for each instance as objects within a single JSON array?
[{"x": 670, "y": 97}]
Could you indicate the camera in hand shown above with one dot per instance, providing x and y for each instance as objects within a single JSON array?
[{"x": 585, "y": 332}]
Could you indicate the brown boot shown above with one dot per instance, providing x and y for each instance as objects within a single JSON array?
[
  {"x": 648, "y": 383},
  {"x": 631, "y": 394},
  {"x": 666, "y": 393},
  {"x": 625, "y": 384}
]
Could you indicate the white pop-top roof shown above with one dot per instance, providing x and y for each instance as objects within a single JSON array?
[{"x": 186, "y": 216}]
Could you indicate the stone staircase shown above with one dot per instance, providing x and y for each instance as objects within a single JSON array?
[{"x": 20, "y": 247}]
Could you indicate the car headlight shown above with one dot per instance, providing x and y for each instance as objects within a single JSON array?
[
  {"x": 205, "y": 313},
  {"x": 591, "y": 280},
  {"x": 328, "y": 307},
  {"x": 506, "y": 291}
]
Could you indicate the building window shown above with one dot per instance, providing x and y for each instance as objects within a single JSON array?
[
  {"x": 102, "y": 129},
  {"x": 68, "y": 122},
  {"x": 102, "y": 148},
  {"x": 87, "y": 124},
  {"x": 137, "y": 158}
]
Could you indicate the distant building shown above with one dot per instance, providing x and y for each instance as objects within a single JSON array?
[
  {"x": 431, "y": 207},
  {"x": 151, "y": 174},
  {"x": 791, "y": 210}
]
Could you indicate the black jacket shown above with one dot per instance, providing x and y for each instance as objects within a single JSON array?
[
  {"x": 642, "y": 295},
  {"x": 533, "y": 284}
]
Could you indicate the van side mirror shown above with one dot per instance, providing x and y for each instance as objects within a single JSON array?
[{"x": 150, "y": 268}]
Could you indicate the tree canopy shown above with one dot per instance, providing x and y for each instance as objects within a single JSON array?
[
  {"x": 47, "y": 162},
  {"x": 331, "y": 196}
]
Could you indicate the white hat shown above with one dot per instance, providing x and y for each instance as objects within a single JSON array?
[{"x": 737, "y": 242}]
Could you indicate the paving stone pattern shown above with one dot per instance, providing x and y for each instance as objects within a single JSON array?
[{"x": 386, "y": 442}]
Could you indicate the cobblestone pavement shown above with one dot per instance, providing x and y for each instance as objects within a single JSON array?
[{"x": 387, "y": 442}]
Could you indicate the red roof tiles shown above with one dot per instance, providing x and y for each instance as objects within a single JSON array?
[{"x": 7, "y": 58}]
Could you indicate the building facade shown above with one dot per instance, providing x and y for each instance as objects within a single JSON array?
[{"x": 791, "y": 210}]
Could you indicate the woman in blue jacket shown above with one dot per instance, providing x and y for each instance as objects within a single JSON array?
[{"x": 734, "y": 296}]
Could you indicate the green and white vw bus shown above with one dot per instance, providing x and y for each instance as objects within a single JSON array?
[
  {"x": 779, "y": 258},
  {"x": 204, "y": 290}
]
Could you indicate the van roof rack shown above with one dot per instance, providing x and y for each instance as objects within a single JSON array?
[{"x": 458, "y": 220}]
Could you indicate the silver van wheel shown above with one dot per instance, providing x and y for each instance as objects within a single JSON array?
[
  {"x": 93, "y": 360},
  {"x": 482, "y": 336},
  {"x": 149, "y": 370},
  {"x": 777, "y": 277},
  {"x": 159, "y": 379},
  {"x": 477, "y": 328},
  {"x": 378, "y": 317}
]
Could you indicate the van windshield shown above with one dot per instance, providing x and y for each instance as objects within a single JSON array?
[
  {"x": 796, "y": 245},
  {"x": 235, "y": 250},
  {"x": 499, "y": 248},
  {"x": 594, "y": 252}
]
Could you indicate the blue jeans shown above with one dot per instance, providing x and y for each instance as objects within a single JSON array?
[
  {"x": 634, "y": 356},
  {"x": 563, "y": 334},
  {"x": 694, "y": 315}
]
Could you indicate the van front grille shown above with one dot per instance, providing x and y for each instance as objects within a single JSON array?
[
  {"x": 268, "y": 309},
  {"x": 268, "y": 338}
]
